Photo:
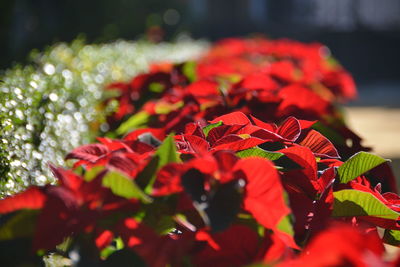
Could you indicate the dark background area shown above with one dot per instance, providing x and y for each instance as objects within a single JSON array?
[{"x": 364, "y": 35}]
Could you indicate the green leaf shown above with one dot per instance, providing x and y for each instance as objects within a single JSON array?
[
  {"x": 350, "y": 202},
  {"x": 156, "y": 87},
  {"x": 285, "y": 225},
  {"x": 122, "y": 186},
  {"x": 189, "y": 70},
  {"x": 209, "y": 127},
  {"x": 392, "y": 237},
  {"x": 20, "y": 225},
  {"x": 166, "y": 153},
  {"x": 116, "y": 245},
  {"x": 138, "y": 120},
  {"x": 259, "y": 152},
  {"x": 358, "y": 164},
  {"x": 165, "y": 108},
  {"x": 93, "y": 173},
  {"x": 165, "y": 225}
]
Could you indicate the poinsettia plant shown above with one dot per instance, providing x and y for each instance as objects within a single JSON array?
[
  {"x": 240, "y": 158},
  {"x": 270, "y": 80}
]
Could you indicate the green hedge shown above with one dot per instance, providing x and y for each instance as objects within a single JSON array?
[{"x": 47, "y": 107}]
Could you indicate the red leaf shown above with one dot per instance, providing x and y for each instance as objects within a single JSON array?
[
  {"x": 227, "y": 139},
  {"x": 206, "y": 164},
  {"x": 276, "y": 248},
  {"x": 194, "y": 129},
  {"x": 342, "y": 245},
  {"x": 168, "y": 180},
  {"x": 267, "y": 126},
  {"x": 67, "y": 178},
  {"x": 305, "y": 158},
  {"x": 296, "y": 98},
  {"x": 226, "y": 160},
  {"x": 236, "y": 246},
  {"x": 125, "y": 107},
  {"x": 89, "y": 153},
  {"x": 158, "y": 133},
  {"x": 219, "y": 132},
  {"x": 256, "y": 81},
  {"x": 139, "y": 147},
  {"x": 236, "y": 143},
  {"x": 123, "y": 163},
  {"x": 283, "y": 70},
  {"x": 203, "y": 235},
  {"x": 301, "y": 204},
  {"x": 208, "y": 69},
  {"x": 341, "y": 83},
  {"x": 196, "y": 144},
  {"x": 111, "y": 144},
  {"x": 32, "y": 198},
  {"x": 381, "y": 222},
  {"x": 60, "y": 218},
  {"x": 203, "y": 88},
  {"x": 232, "y": 118},
  {"x": 267, "y": 135},
  {"x": 306, "y": 124},
  {"x": 290, "y": 129},
  {"x": 326, "y": 179},
  {"x": 156, "y": 250},
  {"x": 263, "y": 191},
  {"x": 319, "y": 145},
  {"x": 69, "y": 199},
  {"x": 104, "y": 239}
]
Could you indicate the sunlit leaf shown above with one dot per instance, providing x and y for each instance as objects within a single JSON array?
[
  {"x": 349, "y": 202},
  {"x": 263, "y": 190},
  {"x": 189, "y": 70},
  {"x": 319, "y": 145},
  {"x": 166, "y": 153},
  {"x": 233, "y": 118},
  {"x": 32, "y": 198},
  {"x": 285, "y": 225},
  {"x": 89, "y": 153},
  {"x": 358, "y": 164},
  {"x": 259, "y": 152},
  {"x": 137, "y": 120},
  {"x": 392, "y": 237},
  {"x": 122, "y": 186},
  {"x": 209, "y": 127},
  {"x": 93, "y": 173}
]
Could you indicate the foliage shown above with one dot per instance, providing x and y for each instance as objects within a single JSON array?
[
  {"x": 226, "y": 168},
  {"x": 54, "y": 103}
]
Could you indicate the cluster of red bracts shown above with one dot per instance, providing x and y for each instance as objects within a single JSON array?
[
  {"x": 270, "y": 80},
  {"x": 210, "y": 180}
]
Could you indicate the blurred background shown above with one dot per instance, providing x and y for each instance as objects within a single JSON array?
[{"x": 364, "y": 35}]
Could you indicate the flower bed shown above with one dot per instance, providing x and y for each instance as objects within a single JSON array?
[{"x": 237, "y": 158}]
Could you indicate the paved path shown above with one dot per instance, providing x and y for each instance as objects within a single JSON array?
[{"x": 378, "y": 126}]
